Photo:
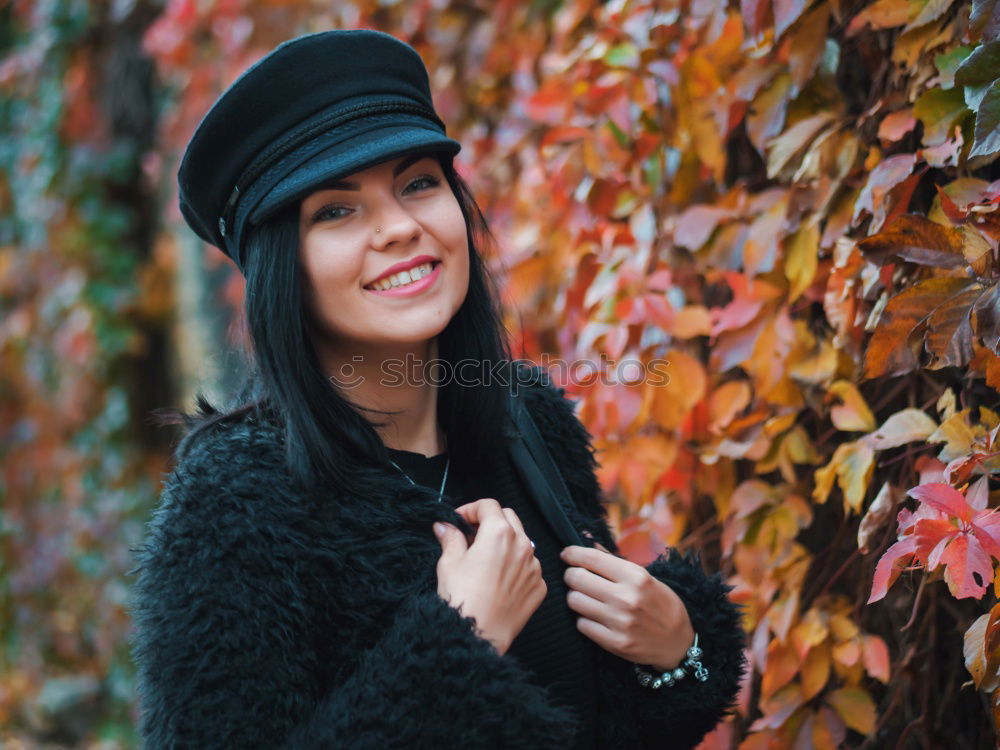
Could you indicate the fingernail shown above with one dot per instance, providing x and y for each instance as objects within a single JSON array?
[{"x": 438, "y": 529}]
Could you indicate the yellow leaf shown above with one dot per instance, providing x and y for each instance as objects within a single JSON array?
[
  {"x": 843, "y": 627},
  {"x": 946, "y": 405},
  {"x": 815, "y": 671},
  {"x": 853, "y": 414},
  {"x": 903, "y": 427},
  {"x": 852, "y": 465},
  {"x": 801, "y": 259},
  {"x": 855, "y": 707},
  {"x": 816, "y": 367},
  {"x": 960, "y": 437},
  {"x": 811, "y": 631}
]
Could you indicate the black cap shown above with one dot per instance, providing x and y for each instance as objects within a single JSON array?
[{"x": 315, "y": 108}]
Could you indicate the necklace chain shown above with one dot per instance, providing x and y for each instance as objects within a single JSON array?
[{"x": 444, "y": 479}]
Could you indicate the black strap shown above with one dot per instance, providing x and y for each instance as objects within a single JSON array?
[{"x": 541, "y": 475}]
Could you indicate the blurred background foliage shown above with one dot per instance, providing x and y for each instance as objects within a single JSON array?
[{"x": 794, "y": 202}]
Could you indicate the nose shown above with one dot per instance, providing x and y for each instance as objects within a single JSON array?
[{"x": 393, "y": 224}]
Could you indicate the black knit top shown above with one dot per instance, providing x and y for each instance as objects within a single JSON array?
[{"x": 556, "y": 655}]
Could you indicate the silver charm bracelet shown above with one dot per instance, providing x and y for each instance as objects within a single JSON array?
[{"x": 673, "y": 676}]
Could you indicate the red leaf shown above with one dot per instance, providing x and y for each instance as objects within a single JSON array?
[
  {"x": 964, "y": 560},
  {"x": 890, "y": 565},
  {"x": 952, "y": 211},
  {"x": 944, "y": 498}
]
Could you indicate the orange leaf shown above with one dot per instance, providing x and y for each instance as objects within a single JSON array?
[
  {"x": 894, "y": 126},
  {"x": 829, "y": 732},
  {"x": 916, "y": 239},
  {"x": 891, "y": 349},
  {"x": 875, "y": 655},
  {"x": 782, "y": 666},
  {"x": 949, "y": 334},
  {"x": 687, "y": 382},
  {"x": 726, "y": 402},
  {"x": 882, "y": 14}
]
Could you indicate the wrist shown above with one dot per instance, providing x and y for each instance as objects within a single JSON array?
[
  {"x": 691, "y": 667},
  {"x": 500, "y": 644},
  {"x": 676, "y": 653},
  {"x": 682, "y": 636}
]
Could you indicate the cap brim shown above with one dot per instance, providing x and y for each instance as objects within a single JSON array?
[{"x": 348, "y": 156}]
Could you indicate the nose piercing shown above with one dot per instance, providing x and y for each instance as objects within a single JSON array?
[{"x": 377, "y": 230}]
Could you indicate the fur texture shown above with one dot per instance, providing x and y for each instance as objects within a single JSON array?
[{"x": 271, "y": 617}]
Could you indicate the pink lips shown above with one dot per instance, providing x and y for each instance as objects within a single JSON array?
[{"x": 414, "y": 287}]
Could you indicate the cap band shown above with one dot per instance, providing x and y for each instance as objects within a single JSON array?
[{"x": 327, "y": 122}]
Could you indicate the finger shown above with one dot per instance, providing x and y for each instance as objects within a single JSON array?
[
  {"x": 603, "y": 563},
  {"x": 514, "y": 521},
  {"x": 481, "y": 509},
  {"x": 591, "y": 584},
  {"x": 591, "y": 608},
  {"x": 600, "y": 634},
  {"x": 452, "y": 540}
]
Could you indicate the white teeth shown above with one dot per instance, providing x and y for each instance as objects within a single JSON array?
[{"x": 403, "y": 277}]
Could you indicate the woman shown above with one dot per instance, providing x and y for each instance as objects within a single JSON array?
[{"x": 352, "y": 555}]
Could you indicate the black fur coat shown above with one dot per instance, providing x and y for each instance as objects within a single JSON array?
[{"x": 270, "y": 618}]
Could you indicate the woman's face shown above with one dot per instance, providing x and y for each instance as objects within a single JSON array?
[{"x": 385, "y": 254}]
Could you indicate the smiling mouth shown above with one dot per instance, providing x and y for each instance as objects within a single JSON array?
[{"x": 403, "y": 278}]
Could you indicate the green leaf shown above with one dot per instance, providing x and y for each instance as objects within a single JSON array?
[
  {"x": 938, "y": 109},
  {"x": 988, "y": 123},
  {"x": 974, "y": 95},
  {"x": 623, "y": 55},
  {"x": 982, "y": 66},
  {"x": 948, "y": 62},
  {"x": 623, "y": 140}
]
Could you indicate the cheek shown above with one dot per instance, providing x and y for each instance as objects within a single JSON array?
[
  {"x": 325, "y": 271},
  {"x": 456, "y": 236}
]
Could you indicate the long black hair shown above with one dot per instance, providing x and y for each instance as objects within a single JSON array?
[{"x": 326, "y": 437}]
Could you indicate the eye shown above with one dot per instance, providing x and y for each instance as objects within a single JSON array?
[
  {"x": 423, "y": 182},
  {"x": 330, "y": 213}
]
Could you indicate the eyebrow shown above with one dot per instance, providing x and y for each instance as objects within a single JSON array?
[{"x": 401, "y": 167}]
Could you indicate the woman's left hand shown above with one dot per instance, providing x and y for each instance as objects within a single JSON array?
[{"x": 626, "y": 610}]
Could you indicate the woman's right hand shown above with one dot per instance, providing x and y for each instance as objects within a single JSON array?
[{"x": 497, "y": 579}]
